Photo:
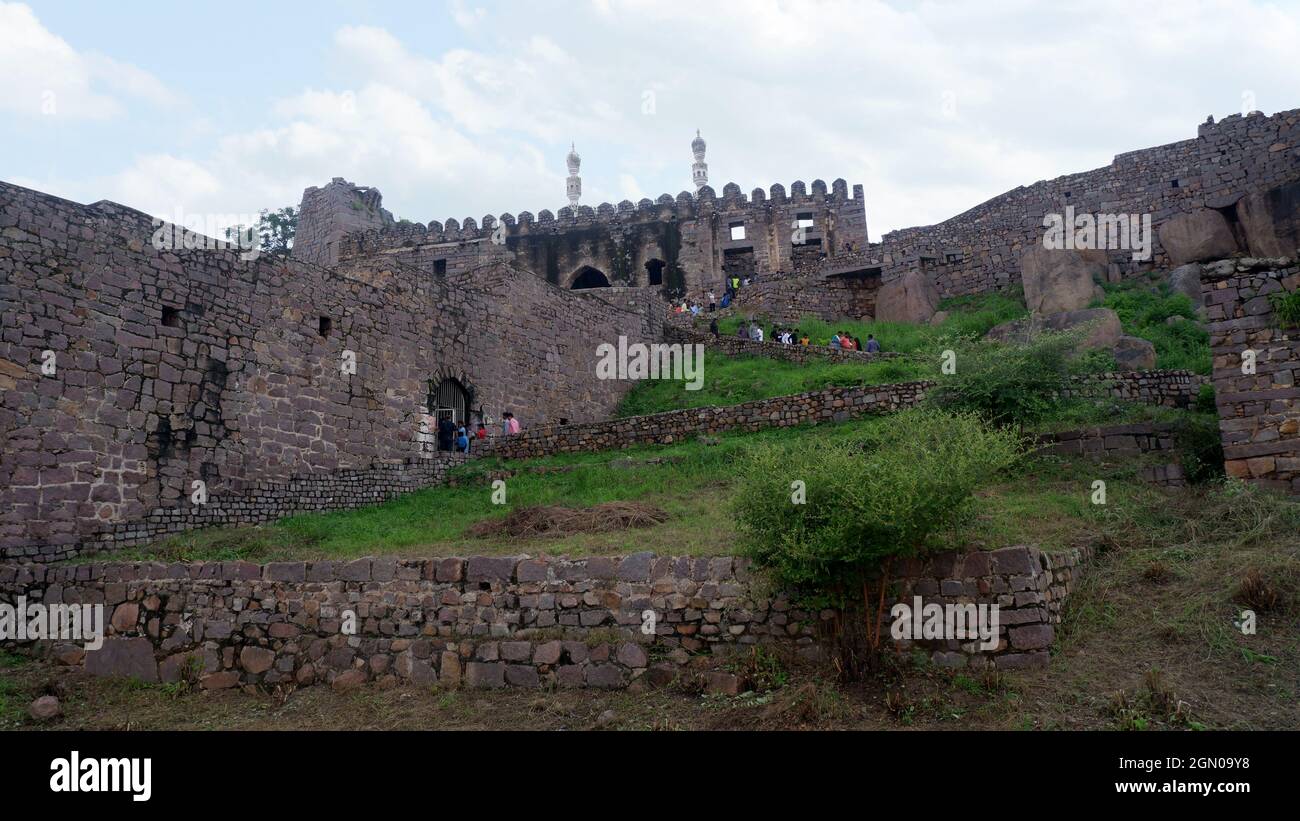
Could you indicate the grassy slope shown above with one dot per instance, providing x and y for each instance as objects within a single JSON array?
[
  {"x": 691, "y": 480},
  {"x": 1147, "y": 642}
]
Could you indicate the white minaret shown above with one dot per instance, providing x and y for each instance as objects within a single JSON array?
[
  {"x": 699, "y": 169},
  {"x": 573, "y": 185}
]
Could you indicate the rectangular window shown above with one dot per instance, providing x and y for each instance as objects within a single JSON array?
[
  {"x": 737, "y": 230},
  {"x": 171, "y": 317},
  {"x": 440, "y": 267},
  {"x": 326, "y": 325}
]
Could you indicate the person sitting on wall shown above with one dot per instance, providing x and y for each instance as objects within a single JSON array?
[
  {"x": 835, "y": 342},
  {"x": 872, "y": 345},
  {"x": 756, "y": 333},
  {"x": 446, "y": 432},
  {"x": 803, "y": 338}
]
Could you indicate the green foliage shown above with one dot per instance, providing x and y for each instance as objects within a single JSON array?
[
  {"x": 969, "y": 317},
  {"x": 884, "y": 495},
  {"x": 275, "y": 229},
  {"x": 731, "y": 380},
  {"x": 1205, "y": 401},
  {"x": 1201, "y": 447},
  {"x": 1144, "y": 307},
  {"x": 1007, "y": 383},
  {"x": 1286, "y": 306}
]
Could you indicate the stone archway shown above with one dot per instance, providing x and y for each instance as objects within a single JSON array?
[{"x": 588, "y": 277}]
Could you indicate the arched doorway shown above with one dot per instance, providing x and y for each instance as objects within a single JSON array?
[
  {"x": 448, "y": 399},
  {"x": 654, "y": 272},
  {"x": 588, "y": 277}
]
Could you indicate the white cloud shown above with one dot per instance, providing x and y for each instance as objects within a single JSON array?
[
  {"x": 934, "y": 107},
  {"x": 42, "y": 75}
]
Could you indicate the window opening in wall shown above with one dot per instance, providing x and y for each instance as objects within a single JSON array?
[
  {"x": 440, "y": 267},
  {"x": 326, "y": 325},
  {"x": 1173, "y": 183},
  {"x": 171, "y": 317},
  {"x": 655, "y": 272},
  {"x": 805, "y": 220},
  {"x": 737, "y": 230}
]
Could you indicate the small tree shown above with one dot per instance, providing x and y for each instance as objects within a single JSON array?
[
  {"x": 865, "y": 503},
  {"x": 275, "y": 230},
  {"x": 1009, "y": 383}
]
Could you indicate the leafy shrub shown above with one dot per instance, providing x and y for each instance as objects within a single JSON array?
[
  {"x": 1201, "y": 447},
  {"x": 1144, "y": 307},
  {"x": 1205, "y": 401},
  {"x": 1286, "y": 306},
  {"x": 867, "y": 500},
  {"x": 1007, "y": 383}
]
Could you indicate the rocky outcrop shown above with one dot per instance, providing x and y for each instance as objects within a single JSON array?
[
  {"x": 912, "y": 297},
  {"x": 1103, "y": 324},
  {"x": 1134, "y": 354},
  {"x": 1197, "y": 236},
  {"x": 1061, "y": 280},
  {"x": 1186, "y": 279},
  {"x": 1270, "y": 221}
]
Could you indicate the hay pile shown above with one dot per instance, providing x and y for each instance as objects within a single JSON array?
[{"x": 554, "y": 521}]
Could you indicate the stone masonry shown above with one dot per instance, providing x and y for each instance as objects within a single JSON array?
[
  {"x": 487, "y": 622},
  {"x": 1259, "y": 404}
]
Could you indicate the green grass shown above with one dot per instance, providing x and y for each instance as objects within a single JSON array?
[
  {"x": 1144, "y": 306},
  {"x": 731, "y": 380},
  {"x": 692, "y": 481},
  {"x": 969, "y": 317}
]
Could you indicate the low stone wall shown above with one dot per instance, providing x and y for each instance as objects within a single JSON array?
[
  {"x": 1174, "y": 389},
  {"x": 264, "y": 502},
  {"x": 1122, "y": 441},
  {"x": 736, "y": 346},
  {"x": 494, "y": 621},
  {"x": 830, "y": 405}
]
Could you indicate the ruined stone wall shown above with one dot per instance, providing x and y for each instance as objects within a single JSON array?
[
  {"x": 1259, "y": 411},
  {"x": 691, "y": 232},
  {"x": 326, "y": 215},
  {"x": 830, "y": 405},
  {"x": 799, "y": 354},
  {"x": 979, "y": 250},
  {"x": 488, "y": 622},
  {"x": 177, "y": 366},
  {"x": 1122, "y": 442}
]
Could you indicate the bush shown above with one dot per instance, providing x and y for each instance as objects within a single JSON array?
[
  {"x": 867, "y": 500},
  {"x": 1008, "y": 383},
  {"x": 1144, "y": 306}
]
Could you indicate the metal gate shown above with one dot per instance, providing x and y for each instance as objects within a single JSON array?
[{"x": 450, "y": 401}]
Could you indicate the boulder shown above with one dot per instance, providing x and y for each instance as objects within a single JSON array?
[
  {"x": 1134, "y": 354},
  {"x": 1271, "y": 221},
  {"x": 1197, "y": 236},
  {"x": 939, "y": 318},
  {"x": 1104, "y": 327},
  {"x": 1058, "y": 280},
  {"x": 910, "y": 298},
  {"x": 45, "y": 708},
  {"x": 1186, "y": 279}
]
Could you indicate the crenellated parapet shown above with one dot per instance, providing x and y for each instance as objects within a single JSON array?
[{"x": 684, "y": 207}]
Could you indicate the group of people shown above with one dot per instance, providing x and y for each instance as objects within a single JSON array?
[
  {"x": 456, "y": 437},
  {"x": 840, "y": 341},
  {"x": 844, "y": 341}
]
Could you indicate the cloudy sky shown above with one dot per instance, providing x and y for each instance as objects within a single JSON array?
[{"x": 466, "y": 108}]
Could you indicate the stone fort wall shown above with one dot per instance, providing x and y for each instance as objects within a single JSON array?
[
  {"x": 692, "y": 233},
  {"x": 177, "y": 366},
  {"x": 979, "y": 249}
]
